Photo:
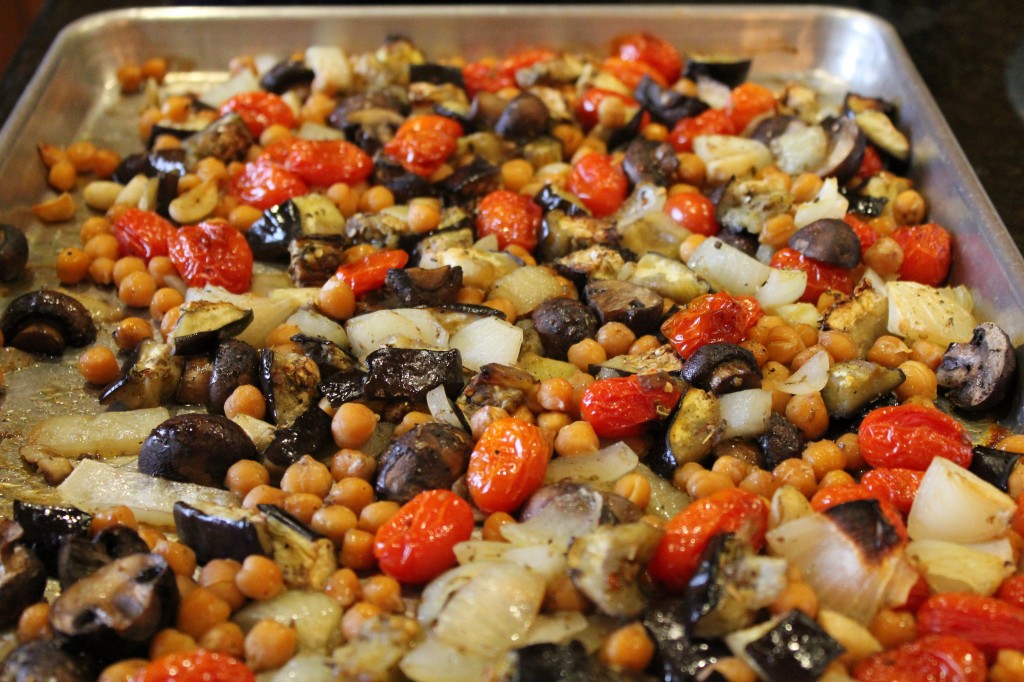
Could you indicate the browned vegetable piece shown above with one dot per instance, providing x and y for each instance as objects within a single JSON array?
[
  {"x": 46, "y": 659},
  {"x": 79, "y": 557},
  {"x": 427, "y": 457},
  {"x": 235, "y": 364},
  {"x": 635, "y": 306},
  {"x": 197, "y": 448},
  {"x": 425, "y": 286},
  {"x": 722, "y": 368},
  {"x": 562, "y": 322},
  {"x": 22, "y": 574},
  {"x": 194, "y": 385},
  {"x": 227, "y": 139},
  {"x": 496, "y": 385},
  {"x": 46, "y": 322},
  {"x": 978, "y": 374},
  {"x": 828, "y": 240},
  {"x": 13, "y": 252},
  {"x": 411, "y": 372},
  {"x": 149, "y": 377},
  {"x": 524, "y": 118}
]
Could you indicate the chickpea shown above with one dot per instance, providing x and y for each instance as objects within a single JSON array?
[
  {"x": 357, "y": 550},
  {"x": 72, "y": 265},
  {"x": 246, "y": 399},
  {"x": 563, "y": 595},
  {"x": 123, "y": 671},
  {"x": 644, "y": 344},
  {"x": 516, "y": 173},
  {"x": 577, "y": 438},
  {"x": 170, "y": 641},
  {"x": 161, "y": 268},
  {"x": 824, "y": 456},
  {"x": 777, "y": 230},
  {"x": 805, "y": 187},
  {"x": 376, "y": 514},
  {"x": 928, "y": 353},
  {"x": 132, "y": 331},
  {"x": 808, "y": 413},
  {"x": 424, "y": 215},
  {"x": 353, "y": 424},
  {"x": 34, "y": 623},
  {"x": 884, "y": 256},
  {"x": 269, "y": 645},
  {"x": 920, "y": 381},
  {"x": 333, "y": 521},
  {"x": 836, "y": 477},
  {"x": 302, "y": 506},
  {"x": 113, "y": 516},
  {"x": 585, "y": 353},
  {"x": 704, "y": 483},
  {"x": 376, "y": 199},
  {"x": 179, "y": 556},
  {"x": 838, "y": 344},
  {"x": 347, "y": 463},
  {"x": 137, "y": 289},
  {"x": 105, "y": 162},
  {"x": 264, "y": 494},
  {"x": 909, "y": 208},
  {"x": 200, "y": 611},
  {"x": 784, "y": 343},
  {"x": 850, "y": 445},
  {"x": 798, "y": 474},
  {"x": 244, "y": 475},
  {"x": 505, "y": 306},
  {"x": 893, "y": 628},
  {"x": 733, "y": 467},
  {"x": 385, "y": 593},
  {"x": 692, "y": 169},
  {"x": 343, "y": 586},
  {"x": 616, "y": 338},
  {"x": 493, "y": 525},
  {"x": 307, "y": 476},
  {"x": 336, "y": 300},
  {"x": 259, "y": 578},
  {"x": 218, "y": 577},
  {"x": 760, "y": 482},
  {"x": 628, "y": 648},
  {"x": 226, "y": 638},
  {"x": 635, "y": 488},
  {"x": 354, "y": 493},
  {"x": 98, "y": 365}
]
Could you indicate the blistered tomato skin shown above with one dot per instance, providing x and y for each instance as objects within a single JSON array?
[
  {"x": 622, "y": 407},
  {"x": 749, "y": 100},
  {"x": 198, "y": 665},
  {"x": 369, "y": 272},
  {"x": 987, "y": 622},
  {"x": 492, "y": 76},
  {"x": 694, "y": 211},
  {"x": 630, "y": 73},
  {"x": 650, "y": 50},
  {"x": 513, "y": 218},
  {"x": 865, "y": 233},
  {"x": 142, "y": 233},
  {"x": 927, "y": 253},
  {"x": 600, "y": 183},
  {"x": 264, "y": 184},
  {"x": 507, "y": 465},
  {"x": 321, "y": 162},
  {"x": 417, "y": 544},
  {"x": 911, "y": 436},
  {"x": 835, "y": 495},
  {"x": 687, "y": 534},
  {"x": 713, "y": 318},
  {"x": 710, "y": 122},
  {"x": 422, "y": 144},
  {"x": 933, "y": 657},
  {"x": 259, "y": 111},
  {"x": 821, "y": 277},
  {"x": 897, "y": 486},
  {"x": 214, "y": 253}
]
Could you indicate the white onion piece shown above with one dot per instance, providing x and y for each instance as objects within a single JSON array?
[
  {"x": 331, "y": 67},
  {"x": 646, "y": 198},
  {"x": 315, "y": 324},
  {"x": 260, "y": 432},
  {"x": 666, "y": 499},
  {"x": 545, "y": 560},
  {"x": 439, "y": 591},
  {"x": 303, "y": 668},
  {"x": 727, "y": 268},
  {"x": 557, "y": 523},
  {"x": 717, "y": 95},
  {"x": 243, "y": 81},
  {"x": 436, "y": 661},
  {"x": 529, "y": 286},
  {"x": 799, "y": 313},
  {"x": 781, "y": 287},
  {"x": 441, "y": 407},
  {"x": 488, "y": 243},
  {"x": 920, "y": 312},
  {"x": 412, "y": 327},
  {"x": 951, "y": 567},
  {"x": 810, "y": 378},
  {"x": 828, "y": 203},
  {"x": 833, "y": 564},
  {"x": 604, "y": 466},
  {"x": 315, "y": 617},
  {"x": 745, "y": 413},
  {"x": 954, "y": 505},
  {"x": 488, "y": 340},
  {"x": 731, "y": 156},
  {"x": 267, "y": 313},
  {"x": 316, "y": 131},
  {"x": 788, "y": 504},
  {"x": 108, "y": 434},
  {"x": 800, "y": 149},
  {"x": 94, "y": 486},
  {"x": 856, "y": 639},
  {"x": 878, "y": 285},
  {"x": 493, "y": 611},
  {"x": 555, "y": 628}
]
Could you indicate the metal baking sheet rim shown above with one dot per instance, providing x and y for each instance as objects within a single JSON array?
[{"x": 998, "y": 284}]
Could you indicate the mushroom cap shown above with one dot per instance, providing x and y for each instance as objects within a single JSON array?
[{"x": 51, "y": 308}]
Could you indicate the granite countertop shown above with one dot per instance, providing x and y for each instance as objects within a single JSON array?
[{"x": 969, "y": 52}]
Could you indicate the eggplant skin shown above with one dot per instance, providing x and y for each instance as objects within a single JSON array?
[
  {"x": 45, "y": 528},
  {"x": 310, "y": 432},
  {"x": 429, "y": 456},
  {"x": 216, "y": 537},
  {"x": 412, "y": 372},
  {"x": 795, "y": 649},
  {"x": 196, "y": 448}
]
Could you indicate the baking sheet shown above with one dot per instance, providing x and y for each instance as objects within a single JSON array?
[{"x": 75, "y": 95}]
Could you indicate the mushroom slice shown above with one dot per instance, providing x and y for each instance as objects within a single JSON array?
[
  {"x": 79, "y": 557},
  {"x": 148, "y": 378},
  {"x": 22, "y": 574},
  {"x": 977, "y": 374},
  {"x": 46, "y": 322},
  {"x": 47, "y": 659},
  {"x": 605, "y": 565},
  {"x": 429, "y": 456},
  {"x": 722, "y": 368}
]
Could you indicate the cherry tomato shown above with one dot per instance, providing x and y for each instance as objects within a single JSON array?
[
  {"x": 865, "y": 233},
  {"x": 630, "y": 73},
  {"x": 896, "y": 486},
  {"x": 650, "y": 50},
  {"x": 507, "y": 465},
  {"x": 259, "y": 111},
  {"x": 422, "y": 144},
  {"x": 489, "y": 75},
  {"x": 621, "y": 407},
  {"x": 142, "y": 233},
  {"x": 820, "y": 276},
  {"x": 321, "y": 162},
  {"x": 987, "y": 622},
  {"x": 417, "y": 544},
  {"x": 369, "y": 272},
  {"x": 710, "y": 122},
  {"x": 588, "y": 104},
  {"x": 212, "y": 252},
  {"x": 749, "y": 100},
  {"x": 713, "y": 318},
  {"x": 198, "y": 665},
  {"x": 513, "y": 217},
  {"x": 835, "y": 495},
  {"x": 1012, "y": 590},
  {"x": 600, "y": 184},
  {"x": 687, "y": 534},
  {"x": 911, "y": 436},
  {"x": 936, "y": 658},
  {"x": 694, "y": 211},
  {"x": 871, "y": 164},
  {"x": 927, "y": 253},
  {"x": 264, "y": 184}
]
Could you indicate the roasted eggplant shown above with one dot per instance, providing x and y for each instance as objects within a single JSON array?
[
  {"x": 214, "y": 532},
  {"x": 605, "y": 564},
  {"x": 790, "y": 647},
  {"x": 235, "y": 364},
  {"x": 730, "y": 70},
  {"x": 149, "y": 377},
  {"x": 227, "y": 139},
  {"x": 306, "y": 558},
  {"x": 635, "y": 306},
  {"x": 204, "y": 324},
  {"x": 47, "y": 659},
  {"x": 423, "y": 286},
  {"x": 691, "y": 432},
  {"x": 677, "y": 656},
  {"x": 411, "y": 372},
  {"x": 343, "y": 387},
  {"x": 853, "y": 384},
  {"x": 45, "y": 528},
  {"x": 288, "y": 381},
  {"x": 562, "y": 322},
  {"x": 313, "y": 215},
  {"x": 559, "y": 663},
  {"x": 994, "y": 466},
  {"x": 308, "y": 435}
]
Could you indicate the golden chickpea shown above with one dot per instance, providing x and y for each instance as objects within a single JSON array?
[
  {"x": 585, "y": 353},
  {"x": 269, "y": 645},
  {"x": 784, "y": 343},
  {"x": 494, "y": 523},
  {"x": 635, "y": 488},
  {"x": 555, "y": 394},
  {"x": 354, "y": 493},
  {"x": 836, "y": 477},
  {"x": 616, "y": 338},
  {"x": 105, "y": 162},
  {"x": 346, "y": 463},
  {"x": 225, "y": 638},
  {"x": 376, "y": 199},
  {"x": 689, "y": 245},
  {"x": 384, "y": 592},
  {"x": 777, "y": 230},
  {"x": 928, "y": 353},
  {"x": 333, "y": 521},
  {"x": 839, "y": 345},
  {"x": 516, "y": 173},
  {"x": 126, "y": 266},
  {"x": 920, "y": 381},
  {"x": 628, "y": 648},
  {"x": 692, "y": 169},
  {"x": 62, "y": 176},
  {"x": 702, "y": 484},
  {"x": 259, "y": 578},
  {"x": 112, "y": 516},
  {"x": 824, "y": 456},
  {"x": 353, "y": 425},
  {"x": 200, "y": 611},
  {"x": 132, "y": 331},
  {"x": 893, "y": 628},
  {"x": 137, "y": 289},
  {"x": 123, "y": 671},
  {"x": 760, "y": 482},
  {"x": 577, "y": 438},
  {"x": 805, "y": 187},
  {"x": 170, "y": 641},
  {"x": 155, "y": 68},
  {"x": 336, "y": 299},
  {"x": 909, "y": 208},
  {"x": 129, "y": 77},
  {"x": 72, "y": 265},
  {"x": 357, "y": 550},
  {"x": 733, "y": 467},
  {"x": 884, "y": 256},
  {"x": 161, "y": 268},
  {"x": 218, "y": 577},
  {"x": 505, "y": 306},
  {"x": 98, "y": 366},
  {"x": 424, "y": 215},
  {"x": 376, "y": 514},
  {"x": 244, "y": 475},
  {"x": 798, "y": 474},
  {"x": 343, "y": 586}
]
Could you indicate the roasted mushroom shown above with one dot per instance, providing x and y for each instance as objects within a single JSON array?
[
  {"x": 665, "y": 105},
  {"x": 525, "y": 117},
  {"x": 285, "y": 75},
  {"x": 635, "y": 306},
  {"x": 46, "y": 528},
  {"x": 79, "y": 557},
  {"x": 562, "y": 322},
  {"x": 235, "y": 364},
  {"x": 47, "y": 659},
  {"x": 424, "y": 286},
  {"x": 411, "y": 372},
  {"x": 13, "y": 252},
  {"x": 22, "y": 574},
  {"x": 650, "y": 161},
  {"x": 722, "y": 368},
  {"x": 427, "y": 457},
  {"x": 194, "y": 385},
  {"x": 197, "y": 448},
  {"x": 496, "y": 385},
  {"x": 781, "y": 440},
  {"x": 830, "y": 241},
  {"x": 46, "y": 322},
  {"x": 977, "y": 375}
]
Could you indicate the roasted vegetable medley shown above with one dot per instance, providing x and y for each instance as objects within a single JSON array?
[{"x": 548, "y": 366}]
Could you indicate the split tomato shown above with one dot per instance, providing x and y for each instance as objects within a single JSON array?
[
  {"x": 600, "y": 183},
  {"x": 749, "y": 100},
  {"x": 934, "y": 657},
  {"x": 911, "y": 436},
  {"x": 590, "y": 101},
  {"x": 259, "y": 111},
  {"x": 710, "y": 122},
  {"x": 198, "y": 665},
  {"x": 321, "y": 162},
  {"x": 507, "y": 465},
  {"x": 821, "y": 277},
  {"x": 651, "y": 50},
  {"x": 212, "y": 252},
  {"x": 630, "y": 73},
  {"x": 713, "y": 318},
  {"x": 369, "y": 272},
  {"x": 896, "y": 486},
  {"x": 514, "y": 218},
  {"x": 621, "y": 407},
  {"x": 417, "y": 544},
  {"x": 264, "y": 184},
  {"x": 142, "y": 233},
  {"x": 494, "y": 75},
  {"x": 423, "y": 143},
  {"x": 927, "y": 253}
]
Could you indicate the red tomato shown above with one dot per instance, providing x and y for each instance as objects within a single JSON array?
[
  {"x": 212, "y": 252},
  {"x": 142, "y": 233},
  {"x": 507, "y": 465},
  {"x": 513, "y": 217},
  {"x": 871, "y": 164},
  {"x": 1012, "y": 590},
  {"x": 865, "y": 233},
  {"x": 749, "y": 100},
  {"x": 264, "y": 184},
  {"x": 710, "y": 122},
  {"x": 600, "y": 183},
  {"x": 259, "y": 111},
  {"x": 713, "y": 318},
  {"x": 911, "y": 436},
  {"x": 896, "y": 486},
  {"x": 835, "y": 495},
  {"x": 631, "y": 73},
  {"x": 321, "y": 162},
  {"x": 927, "y": 253},
  {"x": 650, "y": 50},
  {"x": 935, "y": 658},
  {"x": 820, "y": 276},
  {"x": 687, "y": 534},
  {"x": 694, "y": 211},
  {"x": 621, "y": 407},
  {"x": 198, "y": 665},
  {"x": 588, "y": 104},
  {"x": 987, "y": 622},
  {"x": 369, "y": 272},
  {"x": 417, "y": 544},
  {"x": 422, "y": 144},
  {"x": 491, "y": 76}
]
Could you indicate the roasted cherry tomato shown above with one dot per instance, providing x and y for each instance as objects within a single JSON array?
[
  {"x": 513, "y": 217},
  {"x": 821, "y": 277},
  {"x": 987, "y": 622},
  {"x": 927, "y": 253},
  {"x": 490, "y": 75},
  {"x": 212, "y": 252},
  {"x": 1012, "y": 590},
  {"x": 321, "y": 162},
  {"x": 687, "y": 534},
  {"x": 710, "y": 122},
  {"x": 198, "y": 665},
  {"x": 749, "y": 100},
  {"x": 417, "y": 544},
  {"x": 631, "y": 73},
  {"x": 600, "y": 183},
  {"x": 142, "y": 233},
  {"x": 835, "y": 495},
  {"x": 871, "y": 164},
  {"x": 937, "y": 658},
  {"x": 369, "y": 272},
  {"x": 865, "y": 233},
  {"x": 507, "y": 465},
  {"x": 621, "y": 407},
  {"x": 713, "y": 318},
  {"x": 694, "y": 211},
  {"x": 911, "y": 436},
  {"x": 259, "y": 111},
  {"x": 423, "y": 143},
  {"x": 896, "y": 486},
  {"x": 588, "y": 104},
  {"x": 264, "y": 184},
  {"x": 650, "y": 50}
]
